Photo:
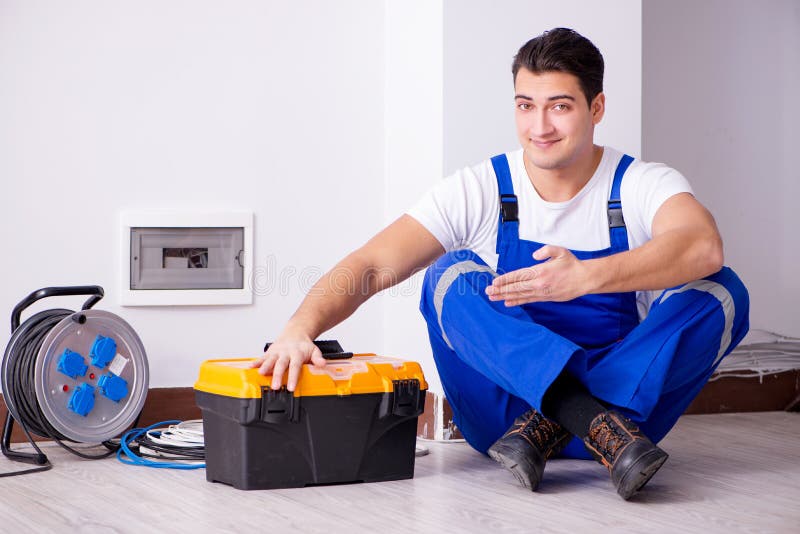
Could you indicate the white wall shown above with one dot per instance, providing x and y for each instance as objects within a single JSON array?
[
  {"x": 721, "y": 87},
  {"x": 480, "y": 40},
  {"x": 274, "y": 107}
]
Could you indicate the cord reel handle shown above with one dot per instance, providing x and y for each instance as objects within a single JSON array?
[{"x": 96, "y": 293}]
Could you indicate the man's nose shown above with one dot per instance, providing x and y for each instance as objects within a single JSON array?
[{"x": 540, "y": 125}]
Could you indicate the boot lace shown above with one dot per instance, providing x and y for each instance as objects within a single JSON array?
[
  {"x": 546, "y": 434},
  {"x": 607, "y": 439}
]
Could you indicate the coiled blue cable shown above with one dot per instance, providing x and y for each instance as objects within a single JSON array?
[{"x": 134, "y": 459}]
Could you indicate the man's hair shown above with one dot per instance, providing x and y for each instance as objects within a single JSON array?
[{"x": 563, "y": 50}]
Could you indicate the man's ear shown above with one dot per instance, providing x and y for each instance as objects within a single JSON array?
[{"x": 598, "y": 108}]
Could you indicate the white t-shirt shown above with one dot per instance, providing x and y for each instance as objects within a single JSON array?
[{"x": 462, "y": 211}]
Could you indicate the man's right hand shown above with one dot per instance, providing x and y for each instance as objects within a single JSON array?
[{"x": 288, "y": 352}]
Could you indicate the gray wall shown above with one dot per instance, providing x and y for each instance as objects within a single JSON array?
[
  {"x": 480, "y": 40},
  {"x": 721, "y": 83}
]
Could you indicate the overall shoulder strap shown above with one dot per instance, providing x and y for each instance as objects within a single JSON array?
[
  {"x": 508, "y": 225},
  {"x": 616, "y": 222}
]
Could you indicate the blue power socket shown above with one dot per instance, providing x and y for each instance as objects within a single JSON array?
[
  {"x": 113, "y": 387},
  {"x": 72, "y": 364},
  {"x": 82, "y": 400},
  {"x": 103, "y": 351}
]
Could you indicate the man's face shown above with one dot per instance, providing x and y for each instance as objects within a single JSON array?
[{"x": 555, "y": 125}]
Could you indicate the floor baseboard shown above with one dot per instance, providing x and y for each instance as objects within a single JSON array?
[
  {"x": 162, "y": 404},
  {"x": 726, "y": 394}
]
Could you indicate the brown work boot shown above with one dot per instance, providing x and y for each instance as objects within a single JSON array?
[
  {"x": 617, "y": 443},
  {"x": 526, "y": 446}
]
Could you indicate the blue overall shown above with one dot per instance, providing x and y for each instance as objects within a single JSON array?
[{"x": 495, "y": 362}]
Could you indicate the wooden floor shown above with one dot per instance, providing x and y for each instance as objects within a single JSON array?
[{"x": 726, "y": 473}]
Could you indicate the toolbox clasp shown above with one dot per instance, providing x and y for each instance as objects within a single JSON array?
[
  {"x": 279, "y": 406},
  {"x": 404, "y": 401}
]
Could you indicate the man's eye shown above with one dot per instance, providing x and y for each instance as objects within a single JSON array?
[
  {"x": 524, "y": 106},
  {"x": 560, "y": 107}
]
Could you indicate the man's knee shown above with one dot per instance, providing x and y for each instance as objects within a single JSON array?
[
  {"x": 732, "y": 295},
  {"x": 723, "y": 288},
  {"x": 722, "y": 291},
  {"x": 740, "y": 298},
  {"x": 449, "y": 259},
  {"x": 449, "y": 270},
  {"x": 459, "y": 272}
]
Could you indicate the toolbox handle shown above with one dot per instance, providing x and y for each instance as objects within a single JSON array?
[{"x": 330, "y": 348}]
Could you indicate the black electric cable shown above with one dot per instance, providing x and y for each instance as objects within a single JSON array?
[
  {"x": 164, "y": 447},
  {"x": 196, "y": 453},
  {"x": 19, "y": 367}
]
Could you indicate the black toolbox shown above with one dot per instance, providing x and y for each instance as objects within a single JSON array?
[{"x": 355, "y": 420}]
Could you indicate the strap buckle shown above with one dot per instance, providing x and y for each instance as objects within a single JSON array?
[
  {"x": 509, "y": 209},
  {"x": 615, "y": 218}
]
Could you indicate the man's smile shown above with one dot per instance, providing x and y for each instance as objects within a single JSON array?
[{"x": 544, "y": 144}]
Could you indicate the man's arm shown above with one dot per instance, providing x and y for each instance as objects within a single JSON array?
[
  {"x": 686, "y": 246},
  {"x": 401, "y": 249}
]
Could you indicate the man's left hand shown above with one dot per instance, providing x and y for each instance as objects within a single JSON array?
[{"x": 562, "y": 277}]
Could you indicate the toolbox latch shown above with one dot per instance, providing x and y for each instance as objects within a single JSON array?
[
  {"x": 406, "y": 397},
  {"x": 279, "y": 406}
]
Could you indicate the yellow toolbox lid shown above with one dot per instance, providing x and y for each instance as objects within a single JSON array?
[{"x": 363, "y": 373}]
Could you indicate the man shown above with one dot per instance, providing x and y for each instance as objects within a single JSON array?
[{"x": 579, "y": 300}]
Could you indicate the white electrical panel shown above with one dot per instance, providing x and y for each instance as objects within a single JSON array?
[{"x": 186, "y": 258}]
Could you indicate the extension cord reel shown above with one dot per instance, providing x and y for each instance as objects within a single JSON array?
[{"x": 89, "y": 375}]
